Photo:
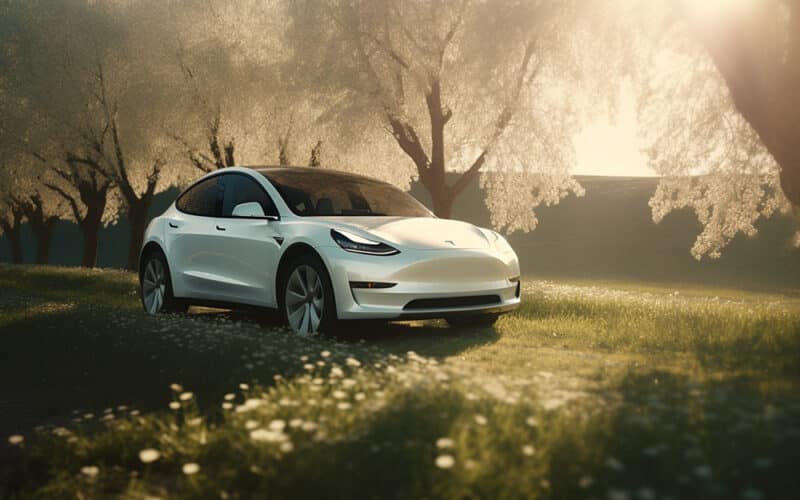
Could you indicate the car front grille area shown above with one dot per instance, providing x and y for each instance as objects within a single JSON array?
[{"x": 452, "y": 302}]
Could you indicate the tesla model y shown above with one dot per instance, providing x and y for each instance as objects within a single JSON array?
[{"x": 322, "y": 246}]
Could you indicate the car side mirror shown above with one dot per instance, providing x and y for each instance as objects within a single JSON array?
[{"x": 249, "y": 209}]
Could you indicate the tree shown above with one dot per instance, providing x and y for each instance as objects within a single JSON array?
[
  {"x": 92, "y": 106},
  {"x": 240, "y": 108},
  {"x": 755, "y": 47},
  {"x": 11, "y": 216},
  {"x": 462, "y": 87},
  {"x": 718, "y": 84},
  {"x": 41, "y": 207}
]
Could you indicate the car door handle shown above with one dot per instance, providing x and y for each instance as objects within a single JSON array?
[
  {"x": 220, "y": 228},
  {"x": 173, "y": 225}
]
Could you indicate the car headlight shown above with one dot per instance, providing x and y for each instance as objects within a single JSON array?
[{"x": 357, "y": 244}]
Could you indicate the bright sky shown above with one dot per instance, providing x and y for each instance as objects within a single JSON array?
[{"x": 610, "y": 146}]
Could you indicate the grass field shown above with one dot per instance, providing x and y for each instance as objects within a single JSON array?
[{"x": 589, "y": 390}]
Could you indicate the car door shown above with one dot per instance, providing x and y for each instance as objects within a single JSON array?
[
  {"x": 246, "y": 246},
  {"x": 188, "y": 235}
]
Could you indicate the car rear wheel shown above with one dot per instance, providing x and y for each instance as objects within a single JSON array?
[
  {"x": 308, "y": 303},
  {"x": 474, "y": 320},
  {"x": 156, "y": 286}
]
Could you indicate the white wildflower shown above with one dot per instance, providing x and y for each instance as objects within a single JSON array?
[
  {"x": 149, "y": 455},
  {"x": 277, "y": 425},
  {"x": 445, "y": 461},
  {"x": 444, "y": 443},
  {"x": 190, "y": 468},
  {"x": 90, "y": 470}
]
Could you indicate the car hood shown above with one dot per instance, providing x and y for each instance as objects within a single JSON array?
[{"x": 421, "y": 233}]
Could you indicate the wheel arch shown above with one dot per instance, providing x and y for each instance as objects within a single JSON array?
[
  {"x": 294, "y": 251},
  {"x": 150, "y": 247}
]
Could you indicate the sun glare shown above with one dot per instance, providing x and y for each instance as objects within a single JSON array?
[
  {"x": 710, "y": 9},
  {"x": 610, "y": 146}
]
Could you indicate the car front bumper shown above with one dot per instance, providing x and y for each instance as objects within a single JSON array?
[{"x": 423, "y": 283}]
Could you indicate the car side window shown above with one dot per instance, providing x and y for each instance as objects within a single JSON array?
[
  {"x": 240, "y": 188},
  {"x": 204, "y": 198}
]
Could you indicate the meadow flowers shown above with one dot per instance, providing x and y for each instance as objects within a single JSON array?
[
  {"x": 445, "y": 461},
  {"x": 444, "y": 443},
  {"x": 190, "y": 468},
  {"x": 90, "y": 471},
  {"x": 149, "y": 455}
]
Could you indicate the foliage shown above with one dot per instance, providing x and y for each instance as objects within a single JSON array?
[
  {"x": 712, "y": 159},
  {"x": 466, "y": 87}
]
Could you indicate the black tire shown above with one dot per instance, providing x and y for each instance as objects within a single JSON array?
[
  {"x": 473, "y": 320},
  {"x": 154, "y": 273},
  {"x": 324, "y": 311}
]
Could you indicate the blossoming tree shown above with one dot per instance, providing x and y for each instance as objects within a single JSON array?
[
  {"x": 465, "y": 87},
  {"x": 720, "y": 107}
]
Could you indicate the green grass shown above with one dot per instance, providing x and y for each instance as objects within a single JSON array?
[{"x": 589, "y": 390}]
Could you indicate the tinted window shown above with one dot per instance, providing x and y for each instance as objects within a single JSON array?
[
  {"x": 240, "y": 188},
  {"x": 317, "y": 193},
  {"x": 204, "y": 198}
]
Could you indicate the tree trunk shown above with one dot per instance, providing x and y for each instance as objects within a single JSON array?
[
  {"x": 14, "y": 241},
  {"x": 43, "y": 231},
  {"x": 13, "y": 231},
  {"x": 137, "y": 216},
  {"x": 91, "y": 235},
  {"x": 90, "y": 227},
  {"x": 442, "y": 200}
]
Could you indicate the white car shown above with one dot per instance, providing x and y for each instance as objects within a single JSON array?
[{"x": 322, "y": 246}]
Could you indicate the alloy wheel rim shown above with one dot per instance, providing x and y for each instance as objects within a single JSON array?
[
  {"x": 305, "y": 300},
  {"x": 154, "y": 286}
]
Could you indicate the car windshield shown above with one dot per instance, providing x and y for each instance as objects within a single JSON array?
[{"x": 319, "y": 193}]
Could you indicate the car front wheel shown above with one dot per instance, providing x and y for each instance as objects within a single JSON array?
[
  {"x": 308, "y": 302},
  {"x": 156, "y": 287}
]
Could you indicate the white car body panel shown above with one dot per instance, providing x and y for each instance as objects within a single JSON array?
[{"x": 235, "y": 260}]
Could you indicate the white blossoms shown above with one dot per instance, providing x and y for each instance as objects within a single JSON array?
[
  {"x": 16, "y": 439},
  {"x": 445, "y": 461},
  {"x": 90, "y": 471},
  {"x": 149, "y": 455},
  {"x": 277, "y": 425},
  {"x": 444, "y": 443},
  {"x": 190, "y": 468},
  {"x": 268, "y": 436}
]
